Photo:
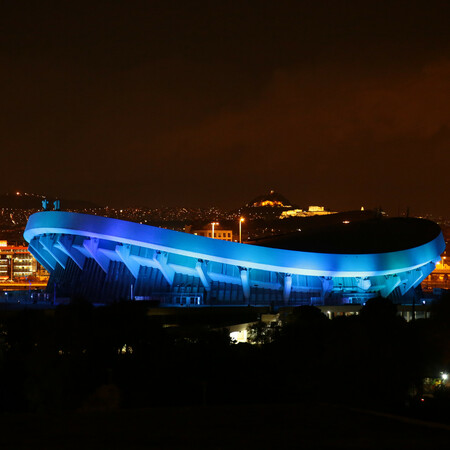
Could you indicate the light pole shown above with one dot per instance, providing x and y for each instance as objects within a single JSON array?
[
  {"x": 240, "y": 229},
  {"x": 213, "y": 223}
]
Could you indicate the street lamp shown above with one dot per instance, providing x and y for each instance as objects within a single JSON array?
[
  {"x": 240, "y": 229},
  {"x": 213, "y": 223}
]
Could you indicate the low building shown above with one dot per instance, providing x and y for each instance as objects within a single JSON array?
[
  {"x": 219, "y": 233},
  {"x": 16, "y": 263},
  {"x": 19, "y": 270}
]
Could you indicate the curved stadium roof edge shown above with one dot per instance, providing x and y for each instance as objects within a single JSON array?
[{"x": 241, "y": 255}]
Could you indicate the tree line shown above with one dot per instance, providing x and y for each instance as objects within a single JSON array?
[{"x": 81, "y": 357}]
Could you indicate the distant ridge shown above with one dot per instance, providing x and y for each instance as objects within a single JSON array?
[{"x": 34, "y": 201}]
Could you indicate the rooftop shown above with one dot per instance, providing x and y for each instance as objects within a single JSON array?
[{"x": 368, "y": 236}]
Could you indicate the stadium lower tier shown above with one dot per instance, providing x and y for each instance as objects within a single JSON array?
[{"x": 105, "y": 260}]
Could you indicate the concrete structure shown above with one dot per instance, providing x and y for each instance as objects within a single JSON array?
[{"x": 106, "y": 259}]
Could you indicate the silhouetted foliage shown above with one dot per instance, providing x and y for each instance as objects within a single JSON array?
[
  {"x": 79, "y": 356},
  {"x": 378, "y": 311}
]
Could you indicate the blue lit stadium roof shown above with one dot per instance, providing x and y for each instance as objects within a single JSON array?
[{"x": 55, "y": 237}]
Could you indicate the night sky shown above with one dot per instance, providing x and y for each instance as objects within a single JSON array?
[{"x": 334, "y": 103}]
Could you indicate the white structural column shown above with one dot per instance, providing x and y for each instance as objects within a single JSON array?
[
  {"x": 245, "y": 282},
  {"x": 426, "y": 269},
  {"x": 363, "y": 283},
  {"x": 287, "y": 287},
  {"x": 390, "y": 283},
  {"x": 124, "y": 252},
  {"x": 200, "y": 267},
  {"x": 65, "y": 244},
  {"x": 327, "y": 285},
  {"x": 409, "y": 279},
  {"x": 41, "y": 255},
  {"x": 48, "y": 242},
  {"x": 160, "y": 260},
  {"x": 92, "y": 247}
]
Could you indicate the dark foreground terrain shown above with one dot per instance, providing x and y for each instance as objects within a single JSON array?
[
  {"x": 79, "y": 376},
  {"x": 221, "y": 427}
]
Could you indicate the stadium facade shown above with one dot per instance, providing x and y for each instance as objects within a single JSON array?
[{"x": 104, "y": 260}]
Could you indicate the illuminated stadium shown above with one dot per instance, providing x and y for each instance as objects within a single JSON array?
[{"x": 104, "y": 260}]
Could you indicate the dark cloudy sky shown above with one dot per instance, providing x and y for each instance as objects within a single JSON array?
[{"x": 336, "y": 103}]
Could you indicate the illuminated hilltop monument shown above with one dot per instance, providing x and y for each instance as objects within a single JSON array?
[
  {"x": 276, "y": 205},
  {"x": 104, "y": 260},
  {"x": 269, "y": 205}
]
